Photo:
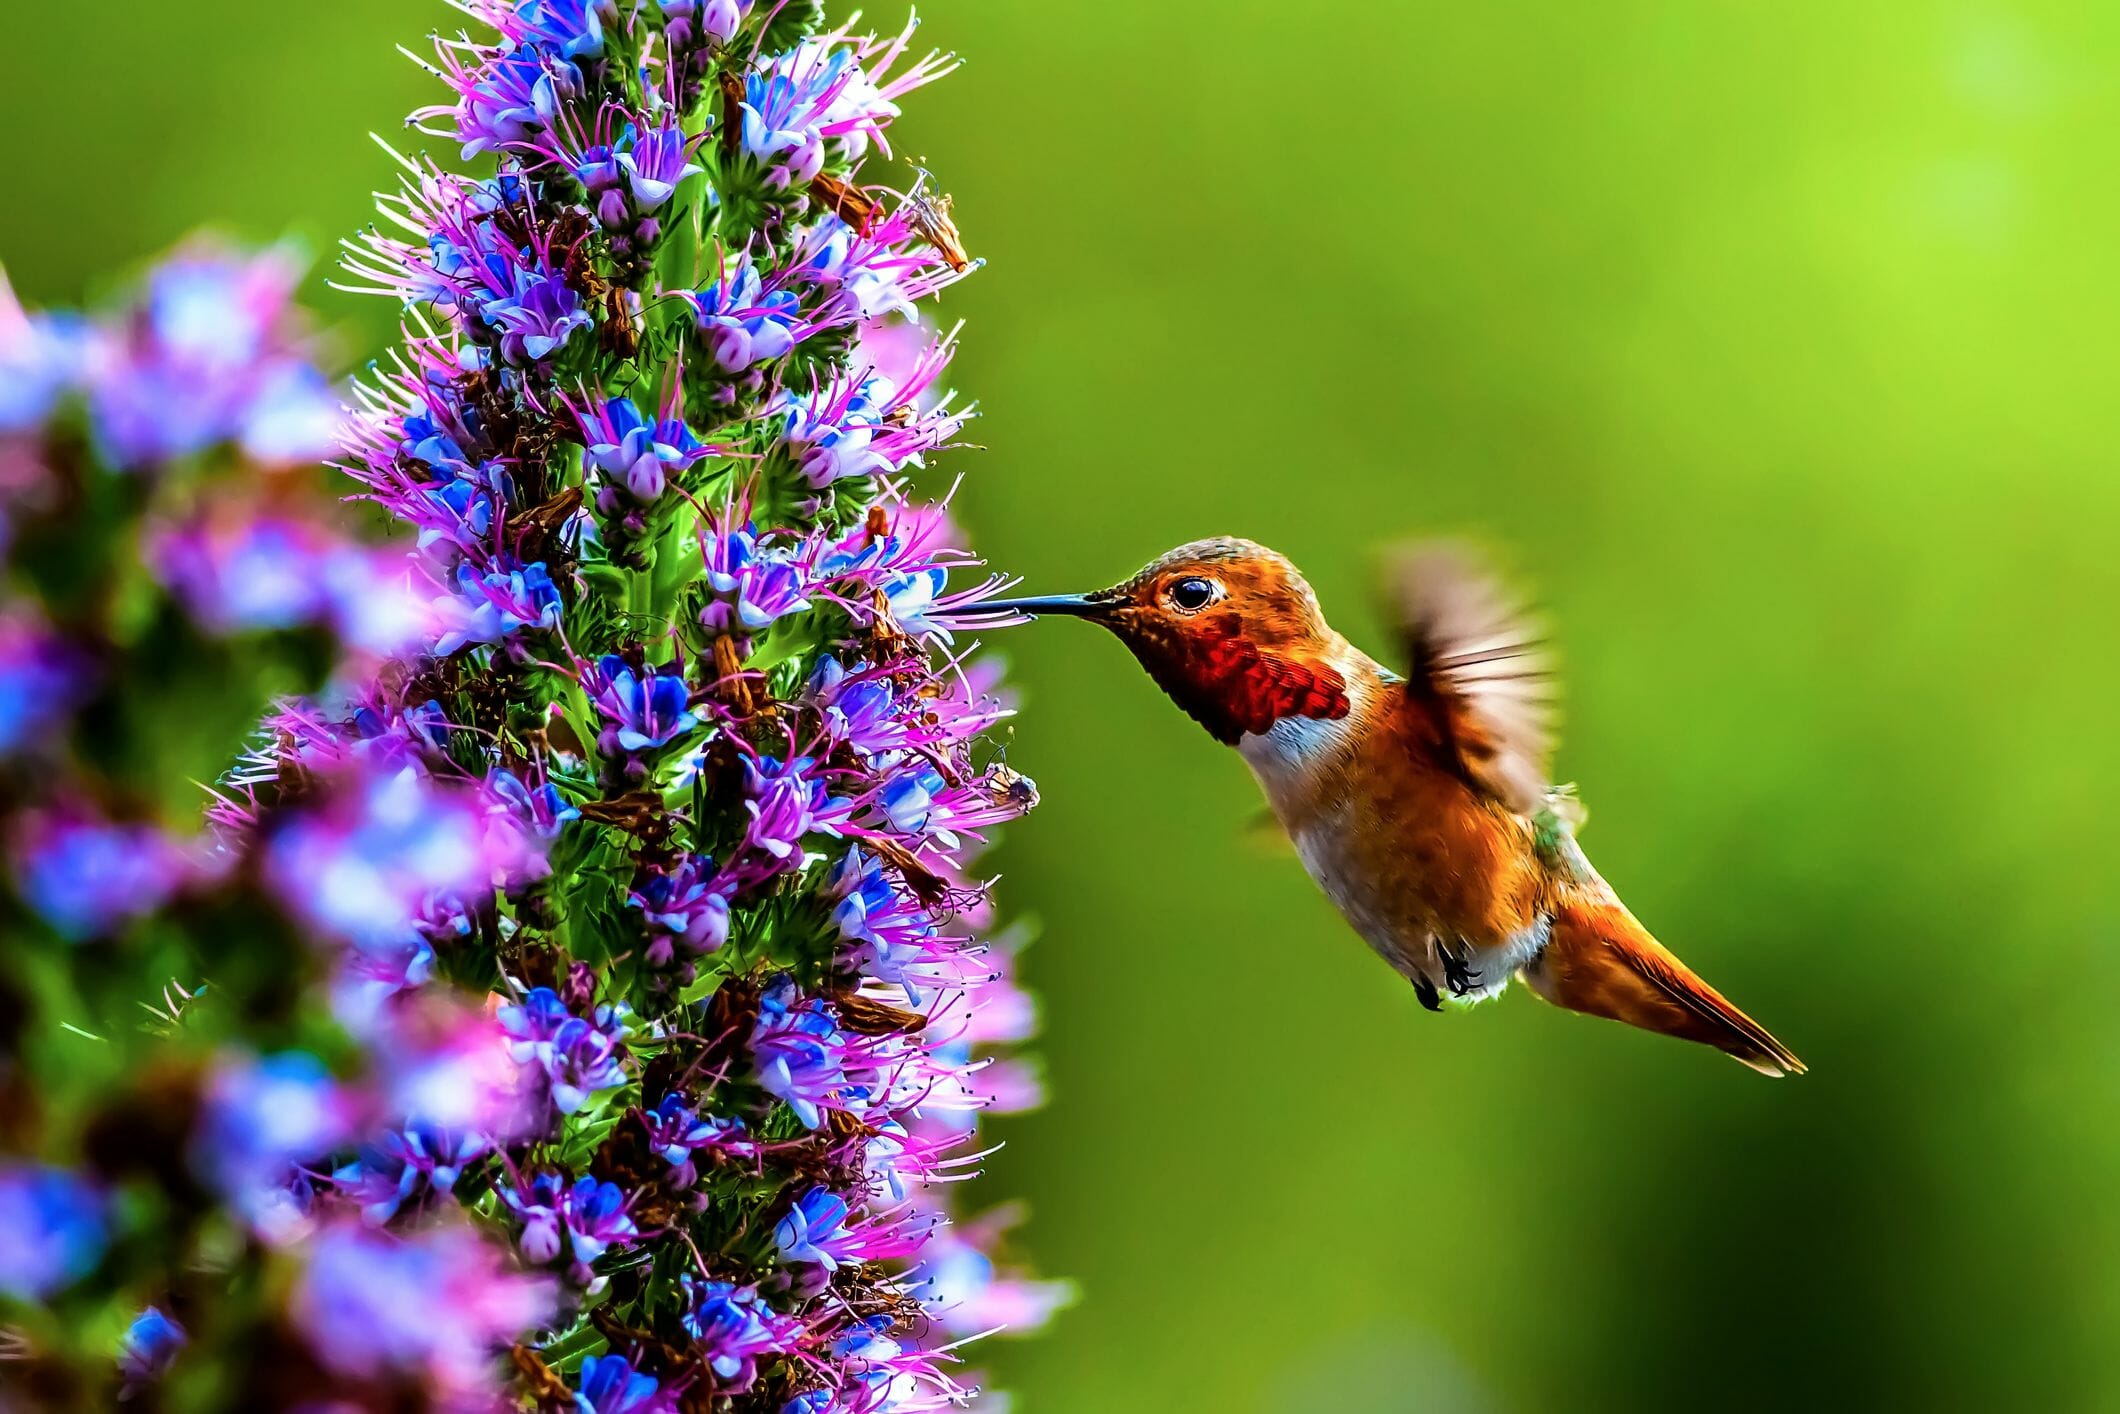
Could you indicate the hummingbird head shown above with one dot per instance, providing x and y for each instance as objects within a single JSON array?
[{"x": 1227, "y": 628}]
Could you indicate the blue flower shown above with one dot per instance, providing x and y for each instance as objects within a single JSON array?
[
  {"x": 263, "y": 1121},
  {"x": 655, "y": 163},
  {"x": 645, "y": 710},
  {"x": 570, "y": 29},
  {"x": 52, "y": 1230},
  {"x": 675, "y": 1132},
  {"x": 397, "y": 1164},
  {"x": 752, "y": 587},
  {"x": 538, "y": 1206},
  {"x": 536, "y": 317},
  {"x": 545, "y": 811},
  {"x": 596, "y": 1219},
  {"x": 88, "y": 877},
  {"x": 632, "y": 452},
  {"x": 863, "y": 891},
  {"x": 812, "y": 1229},
  {"x": 486, "y": 608},
  {"x": 433, "y": 1303},
  {"x": 41, "y": 678},
  {"x": 744, "y": 324},
  {"x": 42, "y": 358},
  {"x": 686, "y": 903},
  {"x": 149, "y": 1346},
  {"x": 802, "y": 1055},
  {"x": 908, "y": 797},
  {"x": 578, "y": 1057},
  {"x": 609, "y": 1385},
  {"x": 734, "y": 1328}
]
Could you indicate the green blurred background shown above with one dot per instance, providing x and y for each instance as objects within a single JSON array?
[{"x": 1777, "y": 345}]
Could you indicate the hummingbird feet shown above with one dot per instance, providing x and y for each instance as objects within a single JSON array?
[
  {"x": 1425, "y": 991},
  {"x": 1458, "y": 972}
]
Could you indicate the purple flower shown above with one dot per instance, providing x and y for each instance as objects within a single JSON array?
[
  {"x": 814, "y": 1230},
  {"x": 536, "y": 317},
  {"x": 262, "y": 1121},
  {"x": 820, "y": 1231},
  {"x": 629, "y": 451},
  {"x": 397, "y": 1164},
  {"x": 570, "y": 29},
  {"x": 452, "y": 1070},
  {"x": 609, "y": 1385},
  {"x": 867, "y": 426},
  {"x": 687, "y": 904},
  {"x": 675, "y": 1132},
  {"x": 584, "y": 1061},
  {"x": 654, "y": 165},
  {"x": 596, "y": 1219},
  {"x": 891, "y": 937},
  {"x": 501, "y": 104},
  {"x": 744, "y": 323},
  {"x": 293, "y": 415},
  {"x": 833, "y": 434},
  {"x": 735, "y": 1329},
  {"x": 752, "y": 586},
  {"x": 52, "y": 1230},
  {"x": 43, "y": 357},
  {"x": 578, "y": 1057},
  {"x": 883, "y": 270},
  {"x": 364, "y": 863},
  {"x": 790, "y": 157},
  {"x": 786, "y": 801},
  {"x": 149, "y": 1346},
  {"x": 644, "y": 709},
  {"x": 436, "y": 1304},
  {"x": 542, "y": 812},
  {"x": 537, "y": 1205},
  {"x": 261, "y": 574},
  {"x": 456, "y": 515},
  {"x": 590, "y": 1216},
  {"x": 719, "y": 20},
  {"x": 42, "y": 677},
  {"x": 908, "y": 796},
  {"x": 486, "y": 608},
  {"x": 968, "y": 1295},
  {"x": 213, "y": 357},
  {"x": 89, "y": 877},
  {"x": 803, "y": 1057},
  {"x": 815, "y": 93}
]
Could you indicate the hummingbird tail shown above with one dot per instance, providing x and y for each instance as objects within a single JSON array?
[{"x": 1601, "y": 961}]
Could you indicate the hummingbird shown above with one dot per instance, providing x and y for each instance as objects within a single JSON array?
[{"x": 1420, "y": 801}]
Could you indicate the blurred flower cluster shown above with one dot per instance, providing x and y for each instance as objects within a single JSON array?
[{"x": 582, "y": 998}]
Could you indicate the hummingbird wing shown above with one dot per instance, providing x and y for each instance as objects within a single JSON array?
[{"x": 1477, "y": 671}]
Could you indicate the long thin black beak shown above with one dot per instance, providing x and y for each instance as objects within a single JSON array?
[{"x": 1080, "y": 606}]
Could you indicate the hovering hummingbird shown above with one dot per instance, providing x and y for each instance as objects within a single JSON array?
[{"x": 1420, "y": 803}]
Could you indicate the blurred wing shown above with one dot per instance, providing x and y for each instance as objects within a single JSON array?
[{"x": 1477, "y": 669}]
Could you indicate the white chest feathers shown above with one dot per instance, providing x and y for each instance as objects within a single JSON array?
[{"x": 1286, "y": 757}]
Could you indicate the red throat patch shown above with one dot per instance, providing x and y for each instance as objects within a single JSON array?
[{"x": 1230, "y": 687}]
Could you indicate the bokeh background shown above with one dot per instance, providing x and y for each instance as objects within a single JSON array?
[{"x": 1776, "y": 344}]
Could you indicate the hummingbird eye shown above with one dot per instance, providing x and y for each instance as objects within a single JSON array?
[{"x": 1192, "y": 594}]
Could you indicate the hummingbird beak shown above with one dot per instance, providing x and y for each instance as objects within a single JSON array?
[{"x": 1079, "y": 606}]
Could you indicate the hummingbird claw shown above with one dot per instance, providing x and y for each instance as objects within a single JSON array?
[
  {"x": 1425, "y": 991},
  {"x": 1458, "y": 973}
]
